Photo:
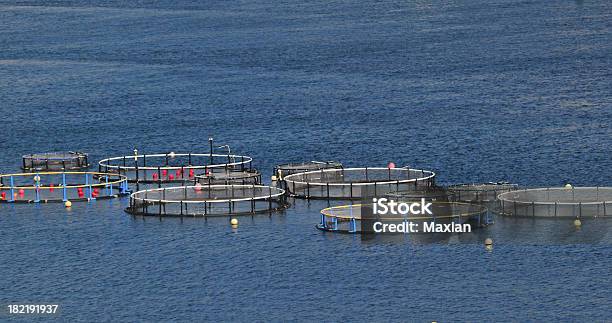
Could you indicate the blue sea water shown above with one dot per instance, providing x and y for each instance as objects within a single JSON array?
[{"x": 475, "y": 90}]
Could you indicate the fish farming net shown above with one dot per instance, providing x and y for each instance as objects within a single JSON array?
[
  {"x": 228, "y": 177},
  {"x": 293, "y": 168},
  {"x": 428, "y": 193},
  {"x": 48, "y": 187},
  {"x": 356, "y": 183},
  {"x": 210, "y": 200},
  {"x": 55, "y": 161},
  {"x": 348, "y": 218},
  {"x": 480, "y": 193},
  {"x": 172, "y": 167},
  {"x": 575, "y": 202}
]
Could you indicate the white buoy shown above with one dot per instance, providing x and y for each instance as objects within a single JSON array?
[
  {"x": 273, "y": 178},
  {"x": 172, "y": 154},
  {"x": 488, "y": 242},
  {"x": 234, "y": 221},
  {"x": 568, "y": 186},
  {"x": 577, "y": 222},
  {"x": 67, "y": 204}
]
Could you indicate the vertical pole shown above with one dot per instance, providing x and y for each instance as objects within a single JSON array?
[
  {"x": 136, "y": 167},
  {"x": 12, "y": 189},
  {"x": 210, "y": 143},
  {"x": 65, "y": 194},
  {"x": 36, "y": 184}
]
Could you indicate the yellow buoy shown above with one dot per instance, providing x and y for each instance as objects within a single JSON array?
[
  {"x": 67, "y": 204},
  {"x": 568, "y": 186},
  {"x": 234, "y": 221},
  {"x": 577, "y": 222}
]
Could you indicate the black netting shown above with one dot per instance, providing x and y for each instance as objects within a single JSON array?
[
  {"x": 356, "y": 183},
  {"x": 558, "y": 202},
  {"x": 55, "y": 161},
  {"x": 207, "y": 200}
]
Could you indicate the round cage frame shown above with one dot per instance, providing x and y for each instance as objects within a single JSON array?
[
  {"x": 207, "y": 201},
  {"x": 50, "y": 187},
  {"x": 228, "y": 177},
  {"x": 171, "y": 167},
  {"x": 55, "y": 161},
  {"x": 347, "y": 218},
  {"x": 355, "y": 183},
  {"x": 480, "y": 192},
  {"x": 558, "y": 202},
  {"x": 283, "y": 170}
]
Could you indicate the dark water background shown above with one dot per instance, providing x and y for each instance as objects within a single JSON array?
[{"x": 475, "y": 90}]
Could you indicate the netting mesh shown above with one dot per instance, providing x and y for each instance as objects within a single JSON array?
[
  {"x": 348, "y": 219},
  {"x": 356, "y": 183},
  {"x": 207, "y": 200},
  {"x": 172, "y": 167},
  {"x": 428, "y": 193},
  {"x": 55, "y": 161},
  {"x": 480, "y": 193},
  {"x": 227, "y": 177},
  {"x": 60, "y": 186},
  {"x": 558, "y": 202},
  {"x": 293, "y": 168}
]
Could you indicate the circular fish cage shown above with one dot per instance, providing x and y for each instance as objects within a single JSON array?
[
  {"x": 355, "y": 183},
  {"x": 228, "y": 177},
  {"x": 55, "y": 161},
  {"x": 435, "y": 193},
  {"x": 171, "y": 167},
  {"x": 47, "y": 187},
  {"x": 480, "y": 193},
  {"x": 348, "y": 219},
  {"x": 575, "y": 202},
  {"x": 205, "y": 201},
  {"x": 280, "y": 171}
]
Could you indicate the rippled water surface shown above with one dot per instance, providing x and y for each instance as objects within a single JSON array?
[{"x": 475, "y": 90}]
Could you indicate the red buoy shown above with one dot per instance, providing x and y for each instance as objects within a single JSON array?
[
  {"x": 171, "y": 177},
  {"x": 21, "y": 192},
  {"x": 191, "y": 173},
  {"x": 391, "y": 165},
  {"x": 155, "y": 176},
  {"x": 164, "y": 172},
  {"x": 51, "y": 187},
  {"x": 178, "y": 172},
  {"x": 81, "y": 194},
  {"x": 3, "y": 195}
]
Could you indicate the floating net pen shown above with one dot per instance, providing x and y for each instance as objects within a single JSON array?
[
  {"x": 575, "y": 202},
  {"x": 172, "y": 167},
  {"x": 428, "y": 193},
  {"x": 480, "y": 193},
  {"x": 228, "y": 177},
  {"x": 283, "y": 170},
  {"x": 348, "y": 219},
  {"x": 55, "y": 161},
  {"x": 209, "y": 200},
  {"x": 46, "y": 187},
  {"x": 355, "y": 183}
]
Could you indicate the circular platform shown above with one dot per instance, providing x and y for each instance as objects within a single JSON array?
[
  {"x": 356, "y": 183},
  {"x": 55, "y": 161},
  {"x": 575, "y": 202},
  {"x": 172, "y": 167},
  {"x": 207, "y": 200},
  {"x": 46, "y": 187}
]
